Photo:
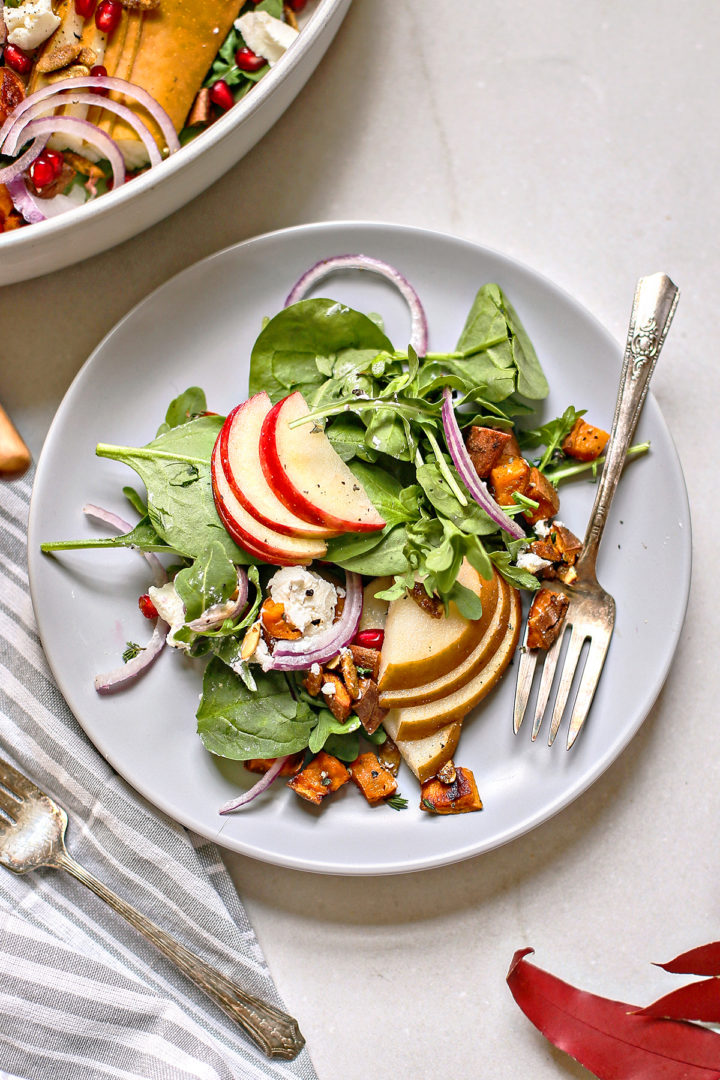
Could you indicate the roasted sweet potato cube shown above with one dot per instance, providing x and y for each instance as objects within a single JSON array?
[
  {"x": 560, "y": 546},
  {"x": 585, "y": 441},
  {"x": 460, "y": 797},
  {"x": 505, "y": 479},
  {"x": 485, "y": 446},
  {"x": 367, "y": 707},
  {"x": 375, "y": 782},
  {"x": 321, "y": 777},
  {"x": 262, "y": 764},
  {"x": 276, "y": 623},
  {"x": 545, "y": 618},
  {"x": 541, "y": 490},
  {"x": 510, "y": 450}
]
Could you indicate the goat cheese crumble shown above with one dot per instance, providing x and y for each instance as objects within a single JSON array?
[
  {"x": 31, "y": 23},
  {"x": 169, "y": 607},
  {"x": 265, "y": 35},
  {"x": 309, "y": 600},
  {"x": 529, "y": 561}
]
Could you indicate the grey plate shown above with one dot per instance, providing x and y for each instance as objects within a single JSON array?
[{"x": 199, "y": 329}]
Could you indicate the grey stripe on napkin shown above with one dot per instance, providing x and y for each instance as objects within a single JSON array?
[{"x": 82, "y": 995}]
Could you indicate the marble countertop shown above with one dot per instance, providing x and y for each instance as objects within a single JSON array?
[{"x": 579, "y": 139}]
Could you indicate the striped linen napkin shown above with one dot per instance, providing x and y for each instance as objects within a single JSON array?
[{"x": 82, "y": 995}]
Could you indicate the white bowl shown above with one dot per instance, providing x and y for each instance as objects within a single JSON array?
[{"x": 78, "y": 234}]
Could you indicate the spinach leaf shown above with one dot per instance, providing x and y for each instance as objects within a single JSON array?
[
  {"x": 136, "y": 500},
  {"x": 384, "y": 491},
  {"x": 175, "y": 468},
  {"x": 327, "y": 725},
  {"x": 345, "y": 747},
  {"x": 285, "y": 354},
  {"x": 486, "y": 324},
  {"x": 212, "y": 579},
  {"x": 347, "y": 435},
  {"x": 234, "y": 722},
  {"x": 143, "y": 536},
  {"x": 469, "y": 518},
  {"x": 386, "y": 557},
  {"x": 186, "y": 406},
  {"x": 523, "y": 579}
]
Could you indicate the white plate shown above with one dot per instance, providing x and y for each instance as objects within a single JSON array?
[
  {"x": 199, "y": 329},
  {"x": 92, "y": 228}
]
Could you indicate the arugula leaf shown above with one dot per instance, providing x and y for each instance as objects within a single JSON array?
[
  {"x": 468, "y": 603},
  {"x": 212, "y": 579},
  {"x": 550, "y": 435},
  {"x": 470, "y": 518},
  {"x": 291, "y": 342},
  {"x": 523, "y": 579},
  {"x": 234, "y": 722},
  {"x": 143, "y": 536},
  {"x": 175, "y": 468},
  {"x": 385, "y": 557},
  {"x": 327, "y": 725}
]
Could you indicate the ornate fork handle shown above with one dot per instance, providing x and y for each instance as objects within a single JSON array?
[
  {"x": 653, "y": 308},
  {"x": 276, "y": 1033}
]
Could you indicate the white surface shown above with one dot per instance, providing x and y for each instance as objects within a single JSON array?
[
  {"x": 86, "y": 601},
  {"x": 579, "y": 139}
]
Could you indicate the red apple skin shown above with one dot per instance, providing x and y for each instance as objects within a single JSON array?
[
  {"x": 286, "y": 491},
  {"x": 304, "y": 528},
  {"x": 241, "y": 536}
]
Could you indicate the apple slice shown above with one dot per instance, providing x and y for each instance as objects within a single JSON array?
[
  {"x": 418, "y": 648},
  {"x": 308, "y": 476},
  {"x": 250, "y": 534},
  {"x": 464, "y": 672},
  {"x": 240, "y": 458},
  {"x": 421, "y": 721},
  {"x": 426, "y": 756}
]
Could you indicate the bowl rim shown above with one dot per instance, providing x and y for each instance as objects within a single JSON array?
[{"x": 217, "y": 133}]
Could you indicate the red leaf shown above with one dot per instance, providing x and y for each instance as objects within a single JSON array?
[
  {"x": 696, "y": 1001},
  {"x": 609, "y": 1037},
  {"x": 705, "y": 960}
]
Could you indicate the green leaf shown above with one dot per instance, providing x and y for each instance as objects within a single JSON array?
[
  {"x": 136, "y": 500},
  {"x": 345, "y": 747},
  {"x": 551, "y": 434},
  {"x": 143, "y": 536},
  {"x": 486, "y": 324},
  {"x": 468, "y": 603},
  {"x": 385, "y": 492},
  {"x": 327, "y": 725},
  {"x": 294, "y": 338},
  {"x": 470, "y": 518},
  {"x": 386, "y": 557},
  {"x": 234, "y": 722},
  {"x": 212, "y": 579},
  {"x": 186, "y": 406},
  {"x": 175, "y": 468},
  {"x": 522, "y": 579}
]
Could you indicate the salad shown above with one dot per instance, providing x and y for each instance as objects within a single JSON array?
[
  {"x": 343, "y": 554},
  {"x": 94, "y": 93}
]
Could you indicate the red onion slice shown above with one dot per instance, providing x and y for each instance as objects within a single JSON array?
[
  {"x": 419, "y": 326},
  {"x": 123, "y": 676},
  {"x": 102, "y": 82},
  {"x": 477, "y": 487},
  {"x": 25, "y": 203},
  {"x": 300, "y": 654},
  {"x": 15, "y": 135},
  {"x": 257, "y": 789},
  {"x": 217, "y": 614}
]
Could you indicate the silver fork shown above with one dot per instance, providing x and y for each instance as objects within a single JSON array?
[
  {"x": 32, "y": 834},
  {"x": 591, "y": 613}
]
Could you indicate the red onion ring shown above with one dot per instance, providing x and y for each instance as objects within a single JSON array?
[
  {"x": 419, "y": 326},
  {"x": 102, "y": 82},
  {"x": 462, "y": 462},
  {"x": 218, "y": 613},
  {"x": 122, "y": 676},
  {"x": 257, "y": 789},
  {"x": 141, "y": 129},
  {"x": 300, "y": 654},
  {"x": 24, "y": 202}
]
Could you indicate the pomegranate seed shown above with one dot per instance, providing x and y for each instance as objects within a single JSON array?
[
  {"x": 17, "y": 60},
  {"x": 147, "y": 607},
  {"x": 296, "y": 5},
  {"x": 221, "y": 95},
  {"x": 56, "y": 160},
  {"x": 42, "y": 172},
  {"x": 247, "y": 60},
  {"x": 369, "y": 639},
  {"x": 108, "y": 15},
  {"x": 85, "y": 8},
  {"x": 100, "y": 71}
]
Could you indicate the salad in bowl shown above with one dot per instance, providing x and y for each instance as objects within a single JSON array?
[{"x": 344, "y": 552}]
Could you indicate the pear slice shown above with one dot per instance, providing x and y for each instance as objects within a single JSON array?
[
  {"x": 420, "y": 721},
  {"x": 427, "y": 756},
  {"x": 374, "y": 611},
  {"x": 419, "y": 649},
  {"x": 464, "y": 672}
]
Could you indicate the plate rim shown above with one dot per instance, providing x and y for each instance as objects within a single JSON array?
[{"x": 530, "y": 821}]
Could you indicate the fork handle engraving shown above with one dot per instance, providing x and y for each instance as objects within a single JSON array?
[
  {"x": 276, "y": 1033},
  {"x": 653, "y": 308}
]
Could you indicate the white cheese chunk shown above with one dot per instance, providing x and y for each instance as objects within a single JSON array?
[
  {"x": 308, "y": 599},
  {"x": 169, "y": 607},
  {"x": 265, "y": 35},
  {"x": 531, "y": 562},
  {"x": 542, "y": 529},
  {"x": 31, "y": 23}
]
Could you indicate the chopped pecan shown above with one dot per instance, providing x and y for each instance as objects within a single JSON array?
[
  {"x": 12, "y": 92},
  {"x": 88, "y": 57},
  {"x": 448, "y": 773},
  {"x": 314, "y": 680},
  {"x": 58, "y": 57},
  {"x": 336, "y": 697},
  {"x": 349, "y": 674},
  {"x": 83, "y": 165},
  {"x": 367, "y": 706},
  {"x": 366, "y": 658},
  {"x": 75, "y": 71},
  {"x": 559, "y": 546},
  {"x": 201, "y": 110},
  {"x": 545, "y": 618},
  {"x": 431, "y": 605}
]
